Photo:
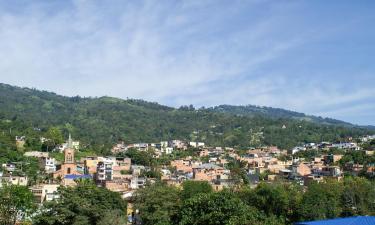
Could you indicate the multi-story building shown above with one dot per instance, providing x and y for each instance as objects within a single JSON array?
[
  {"x": 49, "y": 165},
  {"x": 45, "y": 192},
  {"x": 104, "y": 171}
]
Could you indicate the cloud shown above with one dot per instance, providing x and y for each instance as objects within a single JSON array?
[{"x": 176, "y": 53}]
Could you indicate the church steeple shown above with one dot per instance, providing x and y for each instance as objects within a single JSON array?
[
  {"x": 69, "y": 151},
  {"x": 70, "y": 141}
]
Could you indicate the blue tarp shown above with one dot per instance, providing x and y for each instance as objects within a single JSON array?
[
  {"x": 74, "y": 176},
  {"x": 357, "y": 220}
]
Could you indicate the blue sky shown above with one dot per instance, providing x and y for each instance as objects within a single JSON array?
[{"x": 316, "y": 57}]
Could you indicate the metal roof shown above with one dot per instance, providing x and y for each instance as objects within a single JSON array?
[{"x": 357, "y": 220}]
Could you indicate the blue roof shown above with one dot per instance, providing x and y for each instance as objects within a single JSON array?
[
  {"x": 74, "y": 176},
  {"x": 357, "y": 220}
]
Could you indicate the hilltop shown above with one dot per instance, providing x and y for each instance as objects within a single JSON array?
[
  {"x": 103, "y": 121},
  {"x": 276, "y": 113}
]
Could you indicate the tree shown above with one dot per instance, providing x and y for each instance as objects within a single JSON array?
[
  {"x": 139, "y": 157},
  {"x": 237, "y": 171},
  {"x": 113, "y": 218},
  {"x": 54, "y": 136},
  {"x": 321, "y": 201},
  {"x": 358, "y": 197},
  {"x": 218, "y": 209},
  {"x": 158, "y": 204},
  {"x": 16, "y": 202},
  {"x": 191, "y": 188},
  {"x": 278, "y": 199},
  {"x": 81, "y": 205}
]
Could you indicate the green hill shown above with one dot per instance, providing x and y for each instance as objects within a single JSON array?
[
  {"x": 275, "y": 113},
  {"x": 100, "y": 122}
]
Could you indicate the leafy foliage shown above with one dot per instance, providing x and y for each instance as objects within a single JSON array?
[
  {"x": 321, "y": 201},
  {"x": 84, "y": 204},
  {"x": 192, "y": 188},
  {"x": 158, "y": 204},
  {"x": 276, "y": 203},
  {"x": 16, "y": 202},
  {"x": 217, "y": 208}
]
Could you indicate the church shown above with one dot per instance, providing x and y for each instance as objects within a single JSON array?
[{"x": 68, "y": 171}]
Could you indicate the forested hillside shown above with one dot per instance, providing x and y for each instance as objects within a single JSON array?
[
  {"x": 275, "y": 113},
  {"x": 100, "y": 122}
]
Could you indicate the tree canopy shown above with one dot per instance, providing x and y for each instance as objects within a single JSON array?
[{"x": 85, "y": 204}]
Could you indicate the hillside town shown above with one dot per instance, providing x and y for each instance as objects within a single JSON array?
[{"x": 221, "y": 167}]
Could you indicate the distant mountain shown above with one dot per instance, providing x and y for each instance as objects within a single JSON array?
[
  {"x": 100, "y": 122},
  {"x": 276, "y": 113}
]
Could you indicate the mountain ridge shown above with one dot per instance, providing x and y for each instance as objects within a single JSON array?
[
  {"x": 239, "y": 110},
  {"x": 250, "y": 110},
  {"x": 104, "y": 120}
]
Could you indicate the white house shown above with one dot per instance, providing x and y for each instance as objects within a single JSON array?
[{"x": 49, "y": 165}]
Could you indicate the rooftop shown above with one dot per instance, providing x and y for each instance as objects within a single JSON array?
[{"x": 363, "y": 220}]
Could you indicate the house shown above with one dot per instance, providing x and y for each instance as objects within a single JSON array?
[
  {"x": 137, "y": 169},
  {"x": 274, "y": 165},
  {"x": 328, "y": 159},
  {"x": 141, "y": 146},
  {"x": 285, "y": 173},
  {"x": 49, "y": 164},
  {"x": 369, "y": 152},
  {"x": 70, "y": 144},
  {"x": 14, "y": 180},
  {"x": 36, "y": 154},
  {"x": 310, "y": 146},
  {"x": 167, "y": 150},
  {"x": 301, "y": 169},
  {"x": 178, "y": 144},
  {"x": 346, "y": 145},
  {"x": 104, "y": 171},
  {"x": 184, "y": 166},
  {"x": 298, "y": 149},
  {"x": 220, "y": 184},
  {"x": 45, "y": 192},
  {"x": 20, "y": 141},
  {"x": 120, "y": 165},
  {"x": 312, "y": 177},
  {"x": 333, "y": 171},
  {"x": 118, "y": 185},
  {"x": 204, "y": 152},
  {"x": 196, "y": 144},
  {"x": 119, "y": 147},
  {"x": 137, "y": 182},
  {"x": 368, "y": 138},
  {"x": 156, "y": 146},
  {"x": 90, "y": 164},
  {"x": 208, "y": 172},
  {"x": 371, "y": 169},
  {"x": 9, "y": 167}
]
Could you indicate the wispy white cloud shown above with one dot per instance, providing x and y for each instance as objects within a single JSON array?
[{"x": 199, "y": 52}]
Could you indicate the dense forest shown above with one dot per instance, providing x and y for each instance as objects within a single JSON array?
[{"x": 100, "y": 122}]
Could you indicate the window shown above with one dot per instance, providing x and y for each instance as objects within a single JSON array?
[{"x": 68, "y": 171}]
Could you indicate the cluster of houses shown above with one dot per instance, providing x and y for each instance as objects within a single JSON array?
[
  {"x": 326, "y": 146},
  {"x": 164, "y": 147},
  {"x": 114, "y": 173},
  {"x": 118, "y": 174}
]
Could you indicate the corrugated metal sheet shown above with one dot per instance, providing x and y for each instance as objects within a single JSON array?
[{"x": 358, "y": 220}]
